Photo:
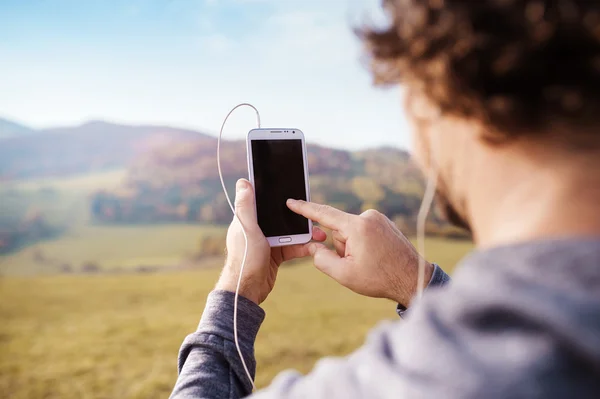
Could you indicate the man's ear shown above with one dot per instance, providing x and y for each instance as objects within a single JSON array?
[{"x": 448, "y": 143}]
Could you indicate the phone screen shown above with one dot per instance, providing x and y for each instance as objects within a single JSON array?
[{"x": 278, "y": 175}]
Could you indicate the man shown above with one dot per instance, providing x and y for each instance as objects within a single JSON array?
[{"x": 504, "y": 99}]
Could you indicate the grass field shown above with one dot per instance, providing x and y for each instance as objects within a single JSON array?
[
  {"x": 110, "y": 248},
  {"x": 122, "y": 248},
  {"x": 117, "y": 336},
  {"x": 64, "y": 201}
]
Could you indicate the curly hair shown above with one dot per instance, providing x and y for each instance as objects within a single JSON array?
[{"x": 520, "y": 66}]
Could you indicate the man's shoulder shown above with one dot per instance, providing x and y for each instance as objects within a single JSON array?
[{"x": 504, "y": 324}]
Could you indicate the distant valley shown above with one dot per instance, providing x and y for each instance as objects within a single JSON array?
[{"x": 169, "y": 175}]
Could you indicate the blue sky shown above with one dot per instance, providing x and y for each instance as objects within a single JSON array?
[{"x": 187, "y": 62}]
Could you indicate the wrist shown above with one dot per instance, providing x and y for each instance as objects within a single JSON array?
[
  {"x": 228, "y": 282},
  {"x": 218, "y": 313},
  {"x": 406, "y": 292}
]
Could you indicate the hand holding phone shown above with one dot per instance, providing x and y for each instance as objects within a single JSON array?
[
  {"x": 262, "y": 261},
  {"x": 278, "y": 171}
]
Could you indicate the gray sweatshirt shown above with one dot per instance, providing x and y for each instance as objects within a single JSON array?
[{"x": 520, "y": 321}]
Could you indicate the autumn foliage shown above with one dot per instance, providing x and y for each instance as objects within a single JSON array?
[{"x": 180, "y": 183}]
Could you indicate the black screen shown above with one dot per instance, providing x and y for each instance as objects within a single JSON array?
[{"x": 278, "y": 175}]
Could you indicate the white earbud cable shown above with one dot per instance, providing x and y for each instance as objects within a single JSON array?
[
  {"x": 424, "y": 210},
  {"x": 237, "y": 289}
]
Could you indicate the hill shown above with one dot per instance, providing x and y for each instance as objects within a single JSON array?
[
  {"x": 91, "y": 147},
  {"x": 169, "y": 175},
  {"x": 13, "y": 129},
  {"x": 179, "y": 182}
]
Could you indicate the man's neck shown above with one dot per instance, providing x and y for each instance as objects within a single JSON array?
[{"x": 525, "y": 197}]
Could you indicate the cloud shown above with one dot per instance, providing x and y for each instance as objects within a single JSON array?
[
  {"x": 317, "y": 39},
  {"x": 206, "y": 23},
  {"x": 294, "y": 19},
  {"x": 217, "y": 43},
  {"x": 257, "y": 1}
]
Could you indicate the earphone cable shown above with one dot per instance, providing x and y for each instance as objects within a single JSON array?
[{"x": 237, "y": 289}]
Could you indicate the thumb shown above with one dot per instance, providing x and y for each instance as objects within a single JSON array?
[
  {"x": 327, "y": 261},
  {"x": 244, "y": 203}
]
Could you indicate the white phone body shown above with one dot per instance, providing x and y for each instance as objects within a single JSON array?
[{"x": 281, "y": 134}]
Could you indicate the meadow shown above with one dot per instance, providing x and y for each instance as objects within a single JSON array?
[
  {"x": 108, "y": 336},
  {"x": 78, "y": 320},
  {"x": 85, "y": 245},
  {"x": 110, "y": 249}
]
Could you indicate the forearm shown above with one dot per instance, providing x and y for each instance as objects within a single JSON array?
[{"x": 209, "y": 365}]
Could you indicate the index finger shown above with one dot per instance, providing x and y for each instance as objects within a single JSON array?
[{"x": 324, "y": 214}]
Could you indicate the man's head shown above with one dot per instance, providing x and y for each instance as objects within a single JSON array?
[{"x": 519, "y": 78}]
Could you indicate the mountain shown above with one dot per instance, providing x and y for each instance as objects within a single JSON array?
[
  {"x": 13, "y": 129},
  {"x": 172, "y": 173},
  {"x": 171, "y": 176},
  {"x": 90, "y": 147},
  {"x": 179, "y": 182}
]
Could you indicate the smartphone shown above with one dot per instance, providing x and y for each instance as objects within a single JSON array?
[{"x": 278, "y": 169}]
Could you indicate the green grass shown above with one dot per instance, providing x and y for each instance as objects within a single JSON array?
[
  {"x": 120, "y": 248},
  {"x": 109, "y": 247},
  {"x": 117, "y": 336},
  {"x": 64, "y": 202}
]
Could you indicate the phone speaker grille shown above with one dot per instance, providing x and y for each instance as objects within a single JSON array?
[{"x": 276, "y": 131}]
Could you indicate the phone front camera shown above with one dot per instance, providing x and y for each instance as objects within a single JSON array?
[{"x": 294, "y": 131}]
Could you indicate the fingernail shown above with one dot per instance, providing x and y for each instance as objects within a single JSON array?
[
  {"x": 291, "y": 201},
  {"x": 240, "y": 186}
]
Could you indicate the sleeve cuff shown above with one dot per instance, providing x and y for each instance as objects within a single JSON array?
[
  {"x": 216, "y": 328},
  {"x": 439, "y": 278},
  {"x": 218, "y": 317}
]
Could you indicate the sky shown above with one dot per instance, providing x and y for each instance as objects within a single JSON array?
[{"x": 186, "y": 63}]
